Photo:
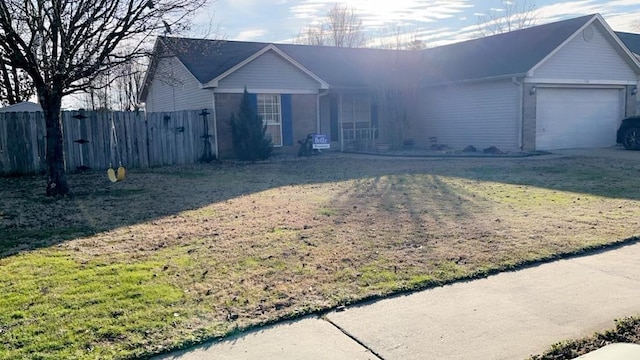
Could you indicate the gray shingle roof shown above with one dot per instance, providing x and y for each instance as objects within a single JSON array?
[
  {"x": 509, "y": 54},
  {"x": 504, "y": 55},
  {"x": 340, "y": 67},
  {"x": 631, "y": 40}
]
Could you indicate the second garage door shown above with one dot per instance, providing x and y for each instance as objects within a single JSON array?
[{"x": 577, "y": 117}]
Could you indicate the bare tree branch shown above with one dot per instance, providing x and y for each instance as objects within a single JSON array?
[
  {"x": 15, "y": 85},
  {"x": 341, "y": 27},
  {"x": 399, "y": 38},
  {"x": 511, "y": 15}
]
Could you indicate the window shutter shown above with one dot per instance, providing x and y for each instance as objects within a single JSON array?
[
  {"x": 253, "y": 100},
  {"x": 287, "y": 120}
]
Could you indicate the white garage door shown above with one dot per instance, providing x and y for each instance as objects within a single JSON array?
[{"x": 569, "y": 118}]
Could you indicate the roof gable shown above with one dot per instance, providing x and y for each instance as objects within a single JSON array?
[
  {"x": 610, "y": 36},
  {"x": 271, "y": 47},
  {"x": 591, "y": 53}
]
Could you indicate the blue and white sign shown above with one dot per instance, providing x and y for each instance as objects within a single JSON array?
[{"x": 321, "y": 141}]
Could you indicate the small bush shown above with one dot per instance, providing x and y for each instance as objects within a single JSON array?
[{"x": 248, "y": 133}]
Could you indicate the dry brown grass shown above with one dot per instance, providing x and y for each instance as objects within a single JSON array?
[{"x": 251, "y": 243}]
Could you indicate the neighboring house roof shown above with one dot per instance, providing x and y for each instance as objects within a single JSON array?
[
  {"x": 512, "y": 54},
  {"x": 22, "y": 107},
  {"x": 631, "y": 40}
]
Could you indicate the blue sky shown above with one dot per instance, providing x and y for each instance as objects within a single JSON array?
[{"x": 435, "y": 21}]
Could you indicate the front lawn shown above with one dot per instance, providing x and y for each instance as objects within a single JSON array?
[{"x": 177, "y": 255}]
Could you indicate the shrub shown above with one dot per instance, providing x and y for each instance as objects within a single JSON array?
[{"x": 248, "y": 133}]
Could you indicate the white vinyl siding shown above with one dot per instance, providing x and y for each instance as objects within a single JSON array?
[
  {"x": 270, "y": 109},
  {"x": 579, "y": 59},
  {"x": 269, "y": 71},
  {"x": 174, "y": 88},
  {"x": 481, "y": 114},
  {"x": 577, "y": 117}
]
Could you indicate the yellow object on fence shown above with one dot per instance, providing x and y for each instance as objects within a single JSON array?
[
  {"x": 121, "y": 172},
  {"x": 112, "y": 175}
]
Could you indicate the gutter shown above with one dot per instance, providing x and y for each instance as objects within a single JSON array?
[{"x": 499, "y": 77}]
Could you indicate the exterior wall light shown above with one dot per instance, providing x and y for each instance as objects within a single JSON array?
[
  {"x": 634, "y": 91},
  {"x": 533, "y": 91}
]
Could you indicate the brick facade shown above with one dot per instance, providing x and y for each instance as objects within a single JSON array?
[
  {"x": 226, "y": 104},
  {"x": 304, "y": 118}
]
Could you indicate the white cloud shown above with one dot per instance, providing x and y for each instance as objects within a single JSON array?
[
  {"x": 247, "y": 35},
  {"x": 629, "y": 22},
  {"x": 380, "y": 13}
]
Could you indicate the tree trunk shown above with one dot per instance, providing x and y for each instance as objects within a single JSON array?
[{"x": 51, "y": 102}]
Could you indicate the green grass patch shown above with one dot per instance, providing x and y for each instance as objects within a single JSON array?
[{"x": 62, "y": 308}]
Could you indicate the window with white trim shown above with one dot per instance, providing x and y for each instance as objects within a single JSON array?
[
  {"x": 356, "y": 117},
  {"x": 270, "y": 109}
]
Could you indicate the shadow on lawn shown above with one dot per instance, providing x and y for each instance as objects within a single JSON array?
[{"x": 29, "y": 221}]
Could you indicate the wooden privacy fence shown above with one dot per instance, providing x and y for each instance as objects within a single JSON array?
[{"x": 143, "y": 140}]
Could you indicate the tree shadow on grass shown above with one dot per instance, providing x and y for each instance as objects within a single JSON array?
[{"x": 28, "y": 220}]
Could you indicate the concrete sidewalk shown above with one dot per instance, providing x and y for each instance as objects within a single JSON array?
[{"x": 507, "y": 316}]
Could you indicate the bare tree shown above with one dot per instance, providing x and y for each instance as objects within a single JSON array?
[
  {"x": 15, "y": 85},
  {"x": 341, "y": 27},
  {"x": 128, "y": 85},
  {"x": 117, "y": 89},
  {"x": 397, "y": 97},
  {"x": 399, "y": 38},
  {"x": 64, "y": 45},
  {"x": 510, "y": 16}
]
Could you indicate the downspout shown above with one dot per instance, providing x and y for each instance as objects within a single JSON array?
[
  {"x": 318, "y": 120},
  {"x": 215, "y": 125},
  {"x": 521, "y": 110},
  {"x": 340, "y": 130}
]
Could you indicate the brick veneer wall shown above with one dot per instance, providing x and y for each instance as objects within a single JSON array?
[
  {"x": 305, "y": 119},
  {"x": 226, "y": 104},
  {"x": 303, "y": 111}
]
